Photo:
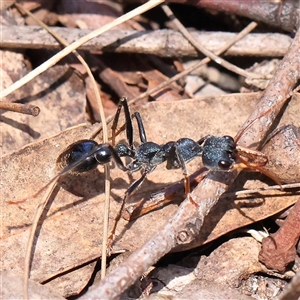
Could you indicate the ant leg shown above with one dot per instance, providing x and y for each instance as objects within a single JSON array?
[
  {"x": 248, "y": 165},
  {"x": 135, "y": 185},
  {"x": 254, "y": 157},
  {"x": 184, "y": 170},
  {"x": 175, "y": 160},
  {"x": 117, "y": 158},
  {"x": 142, "y": 132},
  {"x": 187, "y": 185},
  {"x": 128, "y": 122},
  {"x": 115, "y": 124}
]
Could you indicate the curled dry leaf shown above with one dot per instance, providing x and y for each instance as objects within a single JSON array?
[
  {"x": 230, "y": 263},
  {"x": 279, "y": 249}
]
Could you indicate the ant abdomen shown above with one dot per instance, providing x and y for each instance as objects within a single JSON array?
[{"x": 77, "y": 151}]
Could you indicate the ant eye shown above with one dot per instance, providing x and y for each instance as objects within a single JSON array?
[
  {"x": 224, "y": 164},
  {"x": 228, "y": 137}
]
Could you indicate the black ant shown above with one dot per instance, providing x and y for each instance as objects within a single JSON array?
[{"x": 217, "y": 153}]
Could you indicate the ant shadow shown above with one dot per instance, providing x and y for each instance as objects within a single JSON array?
[
  {"x": 88, "y": 185},
  {"x": 225, "y": 204}
]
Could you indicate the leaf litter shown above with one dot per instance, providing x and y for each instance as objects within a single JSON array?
[
  {"x": 69, "y": 240},
  {"x": 76, "y": 213}
]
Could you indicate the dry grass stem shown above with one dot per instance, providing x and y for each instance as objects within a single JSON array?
[
  {"x": 204, "y": 61},
  {"x": 205, "y": 51},
  {"x": 56, "y": 58}
]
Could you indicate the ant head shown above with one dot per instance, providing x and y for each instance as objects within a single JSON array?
[{"x": 218, "y": 153}]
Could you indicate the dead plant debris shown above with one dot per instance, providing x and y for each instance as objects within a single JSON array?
[{"x": 201, "y": 246}]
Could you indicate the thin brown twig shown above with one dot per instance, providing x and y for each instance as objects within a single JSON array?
[
  {"x": 159, "y": 42},
  {"x": 219, "y": 60},
  {"x": 26, "y": 109},
  {"x": 30, "y": 242},
  {"x": 267, "y": 188}
]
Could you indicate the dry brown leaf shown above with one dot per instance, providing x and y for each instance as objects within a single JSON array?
[
  {"x": 12, "y": 288},
  {"x": 73, "y": 281},
  {"x": 154, "y": 78},
  {"x": 232, "y": 262},
  {"x": 71, "y": 234},
  {"x": 59, "y": 93}
]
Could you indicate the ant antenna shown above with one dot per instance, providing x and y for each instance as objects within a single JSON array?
[{"x": 264, "y": 113}]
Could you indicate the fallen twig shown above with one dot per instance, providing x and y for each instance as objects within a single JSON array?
[
  {"x": 26, "y": 109},
  {"x": 269, "y": 12},
  {"x": 164, "y": 43},
  {"x": 217, "y": 59}
]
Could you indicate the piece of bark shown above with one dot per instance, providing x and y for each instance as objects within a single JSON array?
[
  {"x": 165, "y": 43},
  {"x": 283, "y": 14}
]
